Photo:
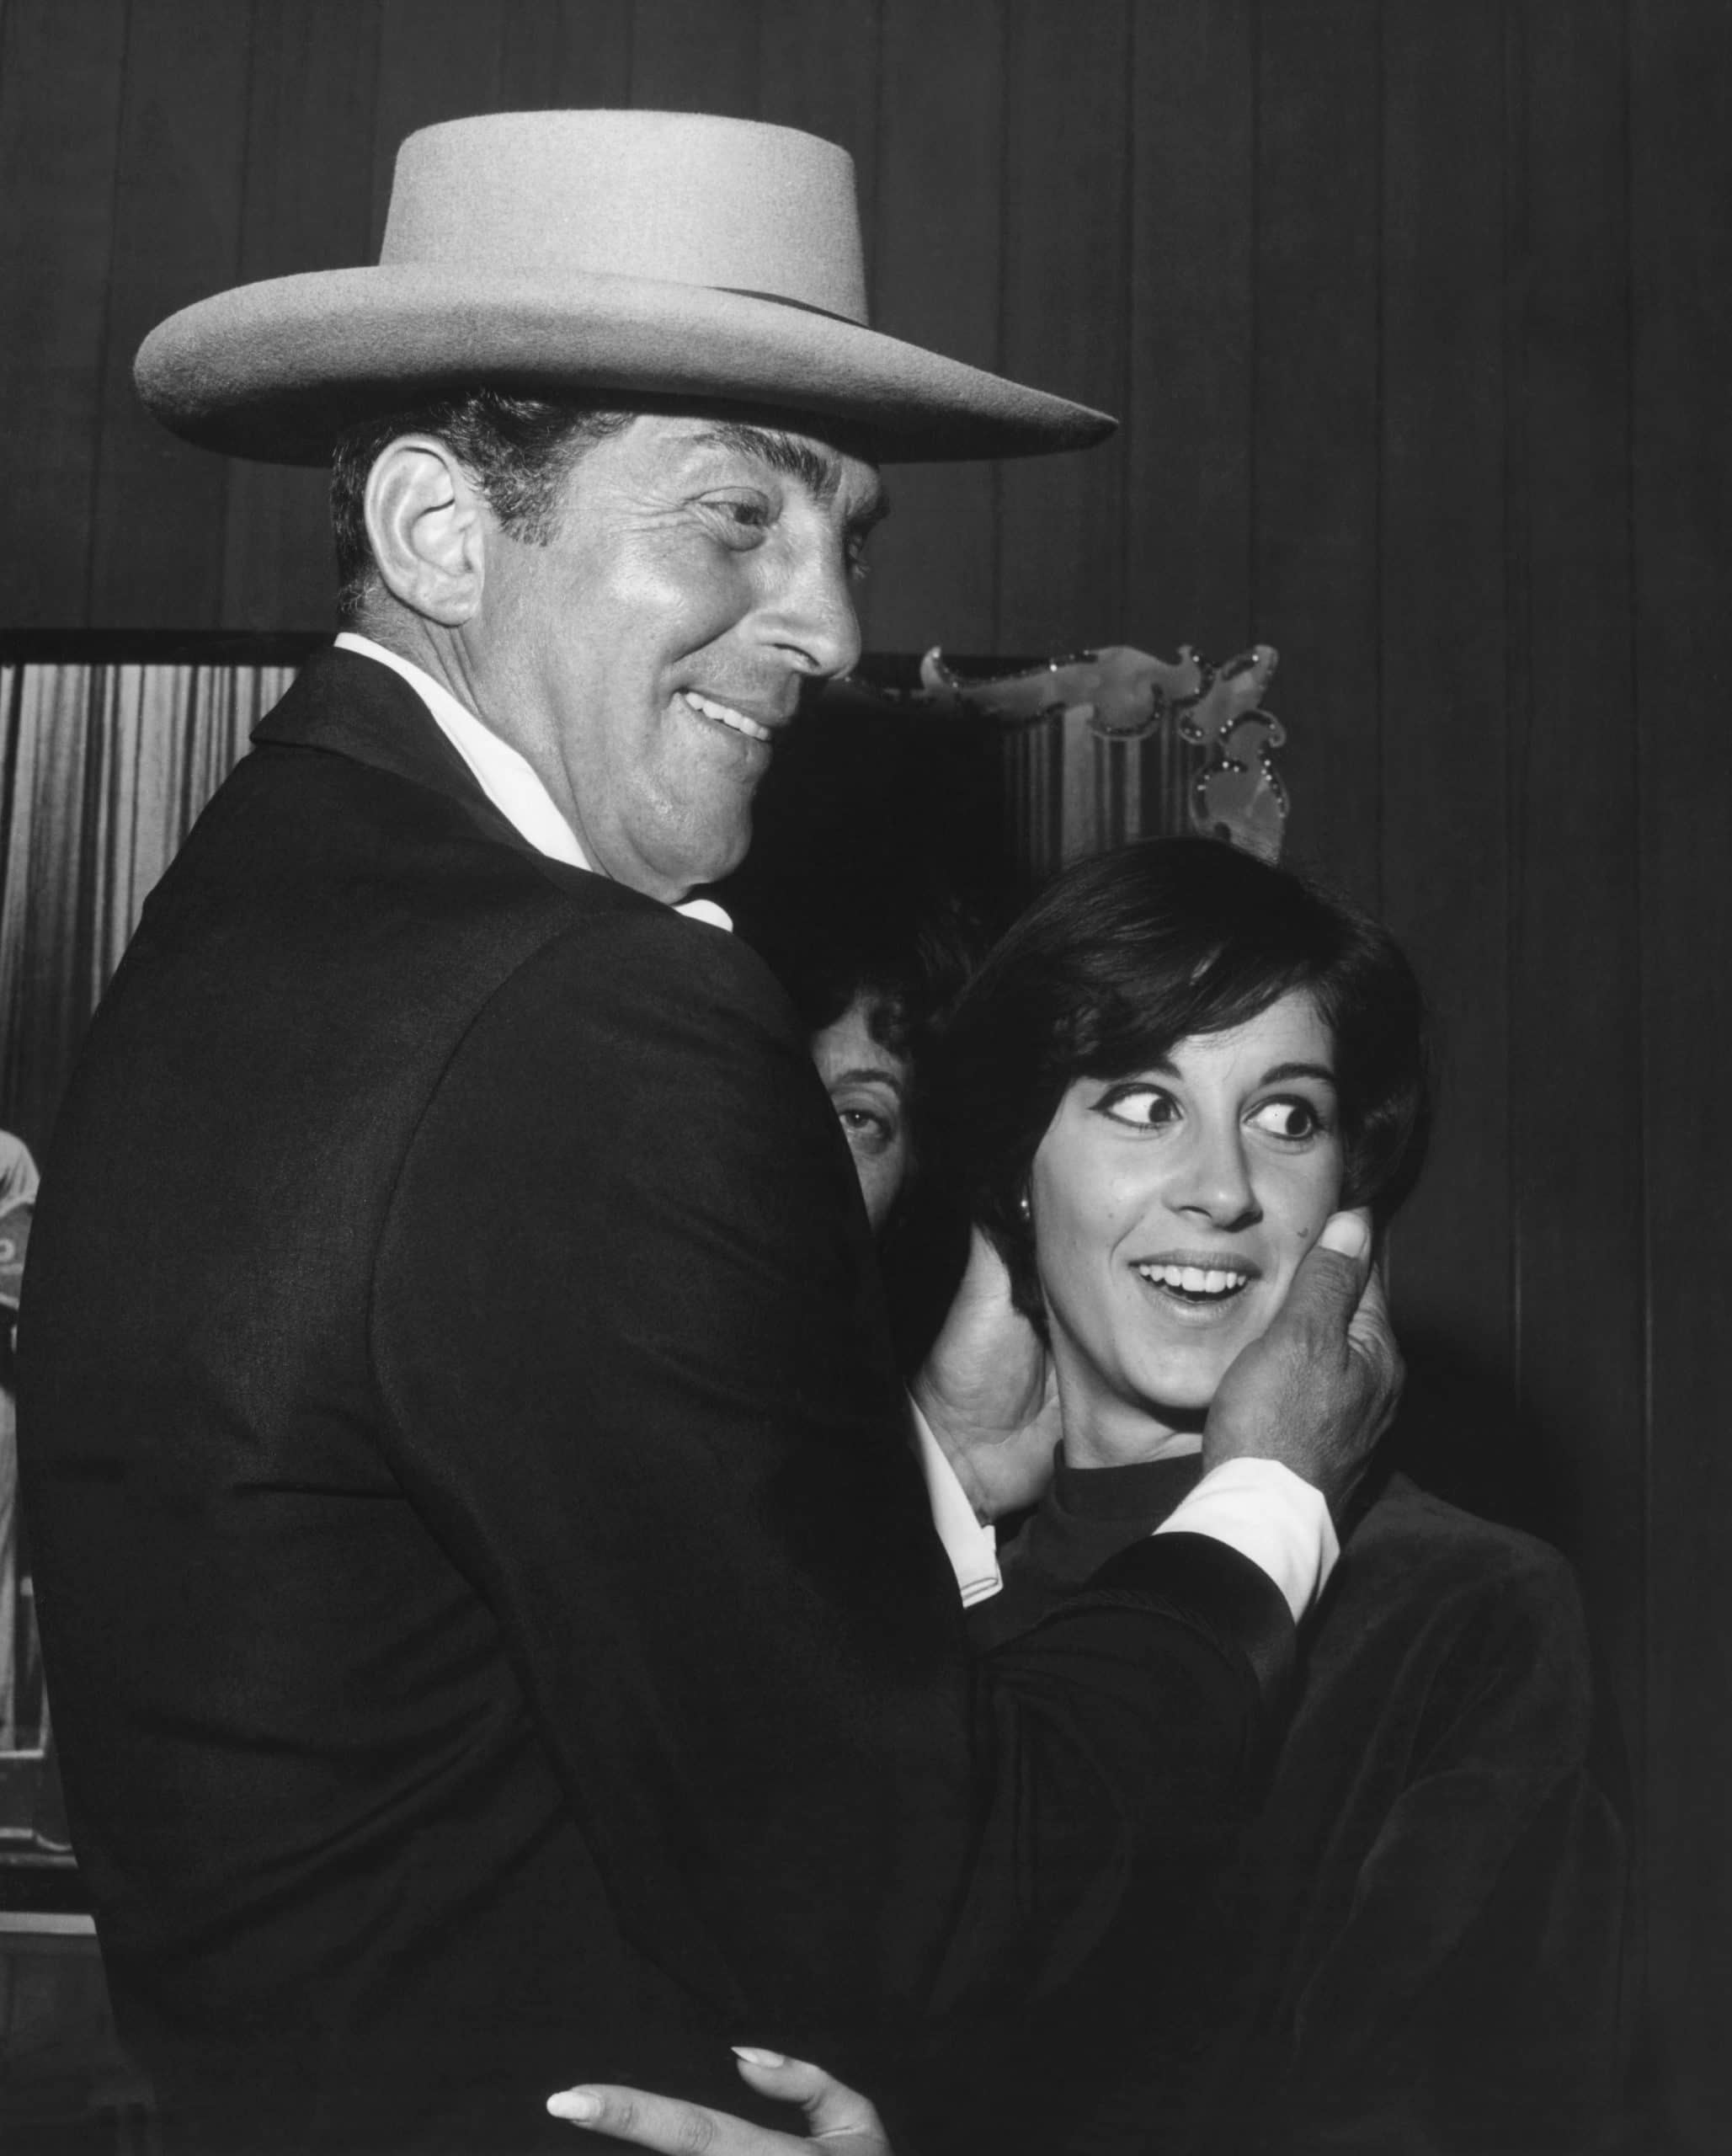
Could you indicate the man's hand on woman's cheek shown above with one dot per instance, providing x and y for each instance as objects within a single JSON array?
[
  {"x": 838, "y": 2120},
  {"x": 1320, "y": 1387},
  {"x": 987, "y": 1390}
]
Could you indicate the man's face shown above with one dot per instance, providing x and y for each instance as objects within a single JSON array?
[{"x": 646, "y": 658}]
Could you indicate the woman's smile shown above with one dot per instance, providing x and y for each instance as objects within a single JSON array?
[{"x": 1197, "y": 1287}]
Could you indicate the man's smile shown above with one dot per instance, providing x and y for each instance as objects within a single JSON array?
[{"x": 729, "y": 715}]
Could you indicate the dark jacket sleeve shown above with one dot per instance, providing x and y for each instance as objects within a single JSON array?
[{"x": 627, "y": 1333}]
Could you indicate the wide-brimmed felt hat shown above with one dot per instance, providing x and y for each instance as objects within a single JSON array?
[{"x": 670, "y": 254}]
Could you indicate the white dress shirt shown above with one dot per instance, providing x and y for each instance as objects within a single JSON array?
[{"x": 1258, "y": 1507}]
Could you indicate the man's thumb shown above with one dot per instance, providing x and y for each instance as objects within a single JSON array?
[
  {"x": 1349, "y": 1233},
  {"x": 1330, "y": 1277}
]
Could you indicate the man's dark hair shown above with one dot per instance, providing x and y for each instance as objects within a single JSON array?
[
  {"x": 518, "y": 449},
  {"x": 1122, "y": 956}
]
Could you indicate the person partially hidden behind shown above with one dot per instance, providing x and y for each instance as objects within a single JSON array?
[
  {"x": 871, "y": 957},
  {"x": 1169, "y": 1074},
  {"x": 496, "y": 1626}
]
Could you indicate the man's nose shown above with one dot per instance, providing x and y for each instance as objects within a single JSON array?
[
  {"x": 1211, "y": 1181},
  {"x": 813, "y": 616}
]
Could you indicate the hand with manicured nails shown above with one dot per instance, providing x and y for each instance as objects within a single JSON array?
[
  {"x": 987, "y": 1389},
  {"x": 838, "y": 2121},
  {"x": 1320, "y": 1388}
]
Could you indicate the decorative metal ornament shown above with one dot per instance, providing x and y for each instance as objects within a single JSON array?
[{"x": 1119, "y": 695}]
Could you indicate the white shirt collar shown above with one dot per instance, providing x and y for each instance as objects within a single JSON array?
[
  {"x": 507, "y": 778},
  {"x": 970, "y": 1544}
]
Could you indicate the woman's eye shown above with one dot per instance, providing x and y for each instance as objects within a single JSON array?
[
  {"x": 1288, "y": 1118},
  {"x": 1145, "y": 1108}
]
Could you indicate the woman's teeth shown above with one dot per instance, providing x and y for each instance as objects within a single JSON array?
[
  {"x": 1195, "y": 1279},
  {"x": 728, "y": 717}
]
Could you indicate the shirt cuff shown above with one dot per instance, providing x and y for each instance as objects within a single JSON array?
[
  {"x": 1267, "y": 1513},
  {"x": 971, "y": 1545}
]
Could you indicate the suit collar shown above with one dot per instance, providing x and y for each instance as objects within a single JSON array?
[
  {"x": 348, "y": 704},
  {"x": 353, "y": 707}
]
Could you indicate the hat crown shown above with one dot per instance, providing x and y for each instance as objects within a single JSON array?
[{"x": 685, "y": 198}]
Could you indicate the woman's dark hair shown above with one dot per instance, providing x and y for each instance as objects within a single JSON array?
[
  {"x": 904, "y": 954},
  {"x": 517, "y": 449},
  {"x": 1125, "y": 955}
]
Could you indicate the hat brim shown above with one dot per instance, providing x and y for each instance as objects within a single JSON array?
[{"x": 275, "y": 371}]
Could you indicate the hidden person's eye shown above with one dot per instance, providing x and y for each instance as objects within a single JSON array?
[{"x": 866, "y": 1130}]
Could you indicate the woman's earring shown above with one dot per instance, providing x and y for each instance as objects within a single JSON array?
[{"x": 1024, "y": 1208}]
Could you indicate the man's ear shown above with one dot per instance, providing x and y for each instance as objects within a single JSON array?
[{"x": 427, "y": 524}]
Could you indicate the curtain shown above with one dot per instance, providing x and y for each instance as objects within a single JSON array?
[{"x": 105, "y": 769}]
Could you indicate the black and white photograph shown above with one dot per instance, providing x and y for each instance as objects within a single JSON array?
[{"x": 866, "y": 961}]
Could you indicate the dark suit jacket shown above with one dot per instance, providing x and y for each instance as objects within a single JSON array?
[{"x": 495, "y": 1631}]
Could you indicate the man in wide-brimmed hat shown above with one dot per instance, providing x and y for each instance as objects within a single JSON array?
[{"x": 496, "y": 1630}]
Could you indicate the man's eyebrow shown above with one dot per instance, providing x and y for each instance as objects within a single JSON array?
[{"x": 794, "y": 459}]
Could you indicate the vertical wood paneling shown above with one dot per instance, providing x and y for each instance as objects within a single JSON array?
[
  {"x": 60, "y": 102},
  {"x": 1445, "y": 862},
  {"x": 1682, "y": 250},
  {"x": 1576, "y": 1058},
  {"x": 1187, "y": 421},
  {"x": 1065, "y": 305},
  {"x": 691, "y": 55},
  {"x": 158, "y": 553},
  {"x": 938, "y": 254},
  {"x": 1314, "y": 583},
  {"x": 819, "y": 70},
  {"x": 438, "y": 60},
  {"x": 306, "y": 207},
  {"x": 556, "y": 55}
]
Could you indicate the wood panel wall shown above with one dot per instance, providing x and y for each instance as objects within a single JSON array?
[{"x": 1416, "y": 312}]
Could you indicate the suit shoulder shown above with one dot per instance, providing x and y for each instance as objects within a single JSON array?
[{"x": 648, "y": 943}]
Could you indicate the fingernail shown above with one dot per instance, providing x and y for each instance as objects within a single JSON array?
[
  {"x": 574, "y": 2104},
  {"x": 753, "y": 2057},
  {"x": 1347, "y": 1233}
]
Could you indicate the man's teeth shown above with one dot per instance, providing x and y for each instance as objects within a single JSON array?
[
  {"x": 728, "y": 717},
  {"x": 1195, "y": 1279}
]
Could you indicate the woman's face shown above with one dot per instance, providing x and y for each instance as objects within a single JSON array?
[
  {"x": 1169, "y": 1210},
  {"x": 868, "y": 1085}
]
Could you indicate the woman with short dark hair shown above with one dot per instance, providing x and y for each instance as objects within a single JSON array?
[{"x": 1175, "y": 1065}]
